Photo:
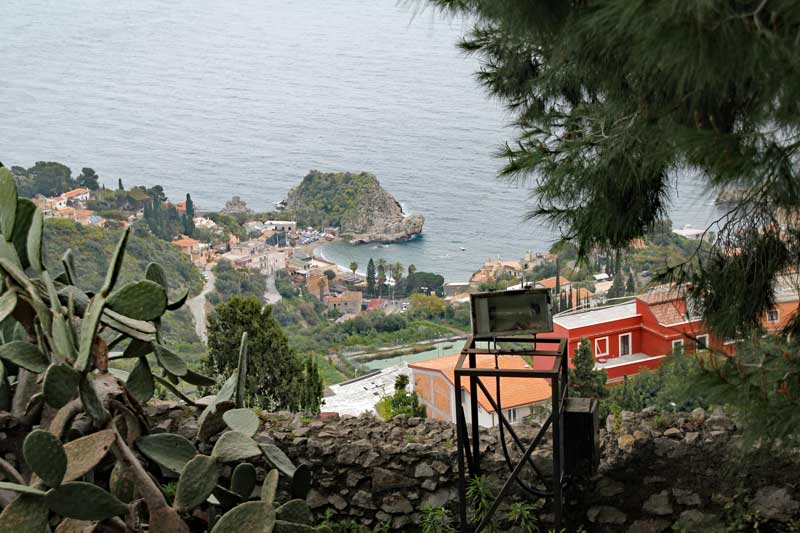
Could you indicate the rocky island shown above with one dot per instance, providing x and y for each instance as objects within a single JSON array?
[{"x": 356, "y": 204}]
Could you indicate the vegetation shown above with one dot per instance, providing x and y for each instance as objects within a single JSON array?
[
  {"x": 277, "y": 378},
  {"x": 671, "y": 387},
  {"x": 401, "y": 402},
  {"x": 48, "y": 178},
  {"x": 426, "y": 307},
  {"x": 584, "y": 380},
  {"x": 231, "y": 281},
  {"x": 611, "y": 100},
  {"x": 91, "y": 248},
  {"x": 331, "y": 199},
  {"x": 54, "y": 351},
  {"x": 570, "y": 72}
]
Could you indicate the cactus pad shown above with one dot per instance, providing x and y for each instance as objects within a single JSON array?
[
  {"x": 84, "y": 501},
  {"x": 122, "y": 484},
  {"x": 234, "y": 446},
  {"x": 270, "y": 487},
  {"x": 301, "y": 481},
  {"x": 254, "y": 517},
  {"x": 171, "y": 362},
  {"x": 83, "y": 454},
  {"x": 60, "y": 385},
  {"x": 26, "y": 513},
  {"x": 243, "y": 480},
  {"x": 140, "y": 382},
  {"x": 282, "y": 526},
  {"x": 211, "y": 421},
  {"x": 140, "y": 300},
  {"x": 169, "y": 450},
  {"x": 25, "y": 355},
  {"x": 45, "y": 455},
  {"x": 197, "y": 481},
  {"x": 277, "y": 458},
  {"x": 242, "y": 420},
  {"x": 296, "y": 511}
]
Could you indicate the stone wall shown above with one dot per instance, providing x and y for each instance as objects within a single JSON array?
[{"x": 657, "y": 471}]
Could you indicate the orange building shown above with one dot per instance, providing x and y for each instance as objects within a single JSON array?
[{"x": 434, "y": 383}]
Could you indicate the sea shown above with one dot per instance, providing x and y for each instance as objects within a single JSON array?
[{"x": 244, "y": 97}]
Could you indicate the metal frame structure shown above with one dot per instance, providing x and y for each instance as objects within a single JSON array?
[{"x": 469, "y": 455}]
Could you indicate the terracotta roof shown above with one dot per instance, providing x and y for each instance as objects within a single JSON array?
[
  {"x": 185, "y": 242},
  {"x": 513, "y": 391},
  {"x": 376, "y": 303},
  {"x": 75, "y": 192},
  {"x": 667, "y": 313},
  {"x": 180, "y": 207},
  {"x": 346, "y": 296},
  {"x": 662, "y": 293},
  {"x": 550, "y": 283}
]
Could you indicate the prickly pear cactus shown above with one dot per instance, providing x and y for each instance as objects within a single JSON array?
[{"x": 93, "y": 461}]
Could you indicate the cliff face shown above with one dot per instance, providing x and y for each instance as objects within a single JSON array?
[{"x": 356, "y": 204}]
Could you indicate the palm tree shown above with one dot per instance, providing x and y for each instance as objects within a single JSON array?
[
  {"x": 397, "y": 275},
  {"x": 381, "y": 276},
  {"x": 353, "y": 267}
]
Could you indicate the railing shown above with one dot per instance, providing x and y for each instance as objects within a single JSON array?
[{"x": 469, "y": 455}]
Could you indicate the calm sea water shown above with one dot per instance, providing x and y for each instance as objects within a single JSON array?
[{"x": 245, "y": 96}]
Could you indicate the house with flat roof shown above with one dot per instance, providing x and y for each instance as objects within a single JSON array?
[
  {"x": 434, "y": 383},
  {"x": 629, "y": 337}
]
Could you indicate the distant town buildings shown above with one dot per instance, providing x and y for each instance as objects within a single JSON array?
[
  {"x": 258, "y": 255},
  {"x": 347, "y": 303}
]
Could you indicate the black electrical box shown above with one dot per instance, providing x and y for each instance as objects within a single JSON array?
[{"x": 581, "y": 437}]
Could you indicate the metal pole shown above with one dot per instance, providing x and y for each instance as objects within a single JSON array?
[
  {"x": 556, "y": 416},
  {"x": 462, "y": 476},
  {"x": 473, "y": 404}
]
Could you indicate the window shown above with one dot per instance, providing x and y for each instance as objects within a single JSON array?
[
  {"x": 601, "y": 346},
  {"x": 702, "y": 342},
  {"x": 773, "y": 315},
  {"x": 677, "y": 346},
  {"x": 512, "y": 415},
  {"x": 625, "y": 344}
]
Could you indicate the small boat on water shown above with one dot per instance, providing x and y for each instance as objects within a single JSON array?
[{"x": 463, "y": 249}]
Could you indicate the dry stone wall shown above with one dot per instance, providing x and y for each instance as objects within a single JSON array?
[{"x": 658, "y": 472}]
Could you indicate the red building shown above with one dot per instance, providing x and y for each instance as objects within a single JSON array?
[{"x": 631, "y": 336}]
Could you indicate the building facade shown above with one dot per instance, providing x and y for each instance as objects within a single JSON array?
[{"x": 434, "y": 383}]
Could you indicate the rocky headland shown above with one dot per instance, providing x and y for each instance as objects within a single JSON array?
[{"x": 363, "y": 211}]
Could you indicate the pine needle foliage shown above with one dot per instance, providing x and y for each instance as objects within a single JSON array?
[{"x": 613, "y": 99}]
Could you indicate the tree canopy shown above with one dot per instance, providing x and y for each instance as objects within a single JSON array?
[
  {"x": 613, "y": 99},
  {"x": 276, "y": 379}
]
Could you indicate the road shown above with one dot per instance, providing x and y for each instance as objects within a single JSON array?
[
  {"x": 271, "y": 295},
  {"x": 197, "y": 306}
]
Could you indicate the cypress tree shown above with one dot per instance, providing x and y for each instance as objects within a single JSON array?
[
  {"x": 119, "y": 185},
  {"x": 584, "y": 380},
  {"x": 371, "y": 277},
  {"x": 630, "y": 287}
]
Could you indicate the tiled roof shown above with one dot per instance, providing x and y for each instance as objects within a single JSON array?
[
  {"x": 376, "y": 303},
  {"x": 346, "y": 296},
  {"x": 185, "y": 242},
  {"x": 667, "y": 313},
  {"x": 75, "y": 192},
  {"x": 662, "y": 293},
  {"x": 513, "y": 391},
  {"x": 550, "y": 283}
]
